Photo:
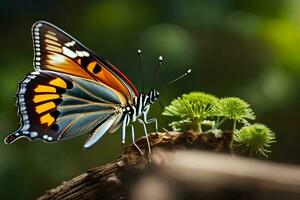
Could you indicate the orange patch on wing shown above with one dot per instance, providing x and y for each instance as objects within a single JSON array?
[
  {"x": 58, "y": 82},
  {"x": 51, "y": 37},
  {"x": 44, "y": 88},
  {"x": 53, "y": 48},
  {"x": 108, "y": 78},
  {"x": 47, "y": 119},
  {"x": 44, "y": 107},
  {"x": 44, "y": 97},
  {"x": 50, "y": 32},
  {"x": 61, "y": 63},
  {"x": 52, "y": 42},
  {"x": 91, "y": 66}
]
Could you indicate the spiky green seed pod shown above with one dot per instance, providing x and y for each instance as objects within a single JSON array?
[
  {"x": 235, "y": 109},
  {"x": 255, "y": 138},
  {"x": 192, "y": 108}
]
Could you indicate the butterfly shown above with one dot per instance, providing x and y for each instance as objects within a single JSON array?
[{"x": 73, "y": 92}]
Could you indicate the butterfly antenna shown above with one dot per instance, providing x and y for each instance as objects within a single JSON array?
[
  {"x": 142, "y": 68},
  {"x": 162, "y": 107},
  {"x": 182, "y": 76},
  {"x": 155, "y": 77}
]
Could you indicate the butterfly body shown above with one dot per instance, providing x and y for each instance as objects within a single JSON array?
[{"x": 72, "y": 92}]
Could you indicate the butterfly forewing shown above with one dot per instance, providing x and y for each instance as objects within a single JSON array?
[
  {"x": 56, "y": 106},
  {"x": 55, "y": 50},
  {"x": 72, "y": 91}
]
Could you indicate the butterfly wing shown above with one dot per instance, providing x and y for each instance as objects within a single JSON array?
[
  {"x": 55, "y": 106},
  {"x": 55, "y": 50}
]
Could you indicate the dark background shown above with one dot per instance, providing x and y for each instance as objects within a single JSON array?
[{"x": 249, "y": 49}]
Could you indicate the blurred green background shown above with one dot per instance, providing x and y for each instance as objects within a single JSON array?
[{"x": 249, "y": 49}]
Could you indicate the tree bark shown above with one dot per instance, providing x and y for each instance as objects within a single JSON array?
[
  {"x": 203, "y": 175},
  {"x": 111, "y": 181},
  {"x": 180, "y": 169}
]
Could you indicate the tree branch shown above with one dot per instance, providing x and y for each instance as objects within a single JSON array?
[
  {"x": 210, "y": 176},
  {"x": 179, "y": 170},
  {"x": 110, "y": 181}
]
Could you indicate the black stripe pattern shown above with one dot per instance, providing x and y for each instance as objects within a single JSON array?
[{"x": 140, "y": 104}]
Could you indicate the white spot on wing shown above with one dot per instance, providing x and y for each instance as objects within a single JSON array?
[
  {"x": 25, "y": 132},
  {"x": 25, "y": 117},
  {"x": 69, "y": 52},
  {"x": 33, "y": 134},
  {"x": 31, "y": 76},
  {"x": 56, "y": 59},
  {"x": 69, "y": 44},
  {"x": 86, "y": 53},
  {"x": 25, "y": 127},
  {"x": 21, "y": 99},
  {"x": 35, "y": 73},
  {"x": 82, "y": 53}
]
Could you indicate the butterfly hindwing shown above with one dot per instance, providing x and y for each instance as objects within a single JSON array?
[
  {"x": 57, "y": 51},
  {"x": 55, "y": 106}
]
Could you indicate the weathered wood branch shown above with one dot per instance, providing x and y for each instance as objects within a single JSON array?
[
  {"x": 111, "y": 182},
  {"x": 204, "y": 175},
  {"x": 186, "y": 173}
]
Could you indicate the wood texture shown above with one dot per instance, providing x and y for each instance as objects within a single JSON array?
[
  {"x": 180, "y": 169},
  {"x": 113, "y": 180}
]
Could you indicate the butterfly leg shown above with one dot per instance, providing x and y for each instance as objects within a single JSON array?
[
  {"x": 124, "y": 124},
  {"x": 148, "y": 121},
  {"x": 133, "y": 140},
  {"x": 146, "y": 134}
]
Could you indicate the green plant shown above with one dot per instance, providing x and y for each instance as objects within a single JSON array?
[
  {"x": 256, "y": 139},
  {"x": 205, "y": 113},
  {"x": 198, "y": 109},
  {"x": 193, "y": 109},
  {"x": 235, "y": 109}
]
